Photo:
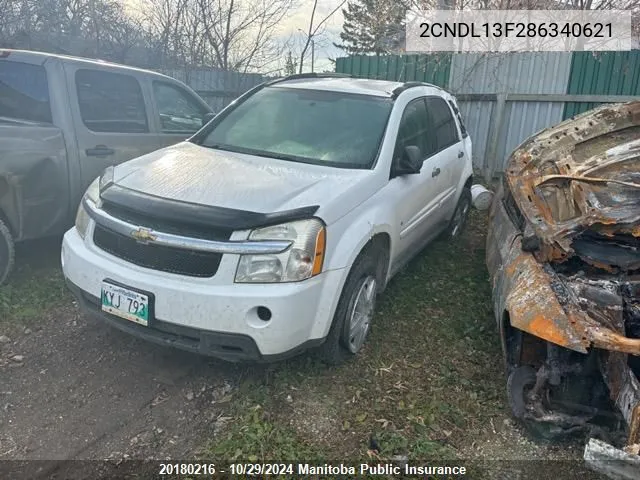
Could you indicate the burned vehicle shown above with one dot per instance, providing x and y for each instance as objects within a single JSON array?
[{"x": 563, "y": 253}]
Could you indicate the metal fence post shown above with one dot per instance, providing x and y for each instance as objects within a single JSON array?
[{"x": 495, "y": 134}]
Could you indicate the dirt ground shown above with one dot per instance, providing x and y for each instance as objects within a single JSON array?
[{"x": 73, "y": 388}]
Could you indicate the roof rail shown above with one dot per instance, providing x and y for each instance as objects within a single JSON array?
[
  {"x": 407, "y": 85},
  {"x": 301, "y": 76}
]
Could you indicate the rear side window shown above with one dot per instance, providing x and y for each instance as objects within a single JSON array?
[
  {"x": 444, "y": 125},
  {"x": 24, "y": 93},
  {"x": 179, "y": 111},
  {"x": 111, "y": 102},
  {"x": 463, "y": 129}
]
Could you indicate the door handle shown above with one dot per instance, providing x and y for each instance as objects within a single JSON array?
[
  {"x": 460, "y": 154},
  {"x": 99, "y": 151},
  {"x": 435, "y": 173}
]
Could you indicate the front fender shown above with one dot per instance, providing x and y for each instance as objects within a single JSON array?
[{"x": 347, "y": 237}]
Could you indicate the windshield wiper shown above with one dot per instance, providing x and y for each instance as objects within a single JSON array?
[
  {"x": 282, "y": 156},
  {"x": 219, "y": 146},
  {"x": 251, "y": 151}
]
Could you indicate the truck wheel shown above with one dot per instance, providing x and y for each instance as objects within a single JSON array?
[
  {"x": 460, "y": 216},
  {"x": 7, "y": 252},
  {"x": 354, "y": 313}
]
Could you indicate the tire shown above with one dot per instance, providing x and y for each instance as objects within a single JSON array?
[
  {"x": 7, "y": 252},
  {"x": 520, "y": 379},
  {"x": 460, "y": 216},
  {"x": 362, "y": 283}
]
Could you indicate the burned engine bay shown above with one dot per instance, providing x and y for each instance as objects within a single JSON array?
[{"x": 572, "y": 286}]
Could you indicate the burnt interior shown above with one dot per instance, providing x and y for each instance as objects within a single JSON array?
[
  {"x": 618, "y": 250},
  {"x": 612, "y": 299}
]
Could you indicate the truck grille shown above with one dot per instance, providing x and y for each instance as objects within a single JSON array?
[{"x": 157, "y": 257}]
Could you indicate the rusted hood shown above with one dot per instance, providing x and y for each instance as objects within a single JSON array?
[{"x": 578, "y": 186}]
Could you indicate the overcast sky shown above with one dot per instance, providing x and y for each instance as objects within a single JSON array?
[{"x": 298, "y": 19}]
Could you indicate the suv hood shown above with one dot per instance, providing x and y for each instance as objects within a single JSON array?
[{"x": 189, "y": 173}]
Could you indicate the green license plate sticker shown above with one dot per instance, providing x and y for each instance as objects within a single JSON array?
[{"x": 125, "y": 303}]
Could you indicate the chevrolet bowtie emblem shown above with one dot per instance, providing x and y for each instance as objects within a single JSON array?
[{"x": 143, "y": 235}]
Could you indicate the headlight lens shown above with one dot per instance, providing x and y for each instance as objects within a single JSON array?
[
  {"x": 82, "y": 217},
  {"x": 300, "y": 261}
]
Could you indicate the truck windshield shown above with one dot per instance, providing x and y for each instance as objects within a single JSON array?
[
  {"x": 24, "y": 93},
  {"x": 310, "y": 126}
]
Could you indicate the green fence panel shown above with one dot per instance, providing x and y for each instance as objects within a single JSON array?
[
  {"x": 433, "y": 68},
  {"x": 602, "y": 73}
]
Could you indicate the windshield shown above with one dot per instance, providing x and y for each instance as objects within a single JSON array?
[{"x": 312, "y": 126}]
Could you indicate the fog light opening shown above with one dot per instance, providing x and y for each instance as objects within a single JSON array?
[{"x": 264, "y": 314}]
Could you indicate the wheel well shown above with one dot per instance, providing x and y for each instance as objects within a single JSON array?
[
  {"x": 380, "y": 244},
  {"x": 469, "y": 182},
  {"x": 6, "y": 221},
  {"x": 521, "y": 348}
]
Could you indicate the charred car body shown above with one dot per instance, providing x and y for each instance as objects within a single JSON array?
[{"x": 563, "y": 253}]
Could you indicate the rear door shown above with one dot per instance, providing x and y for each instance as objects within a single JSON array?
[
  {"x": 451, "y": 153},
  {"x": 34, "y": 173},
  {"x": 110, "y": 116}
]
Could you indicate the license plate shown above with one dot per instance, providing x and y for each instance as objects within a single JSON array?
[{"x": 125, "y": 303}]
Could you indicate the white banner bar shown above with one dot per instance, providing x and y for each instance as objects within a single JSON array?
[{"x": 518, "y": 30}]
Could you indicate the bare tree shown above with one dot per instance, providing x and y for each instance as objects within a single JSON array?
[
  {"x": 314, "y": 30},
  {"x": 240, "y": 33}
]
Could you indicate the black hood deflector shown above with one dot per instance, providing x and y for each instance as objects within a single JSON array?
[{"x": 196, "y": 214}]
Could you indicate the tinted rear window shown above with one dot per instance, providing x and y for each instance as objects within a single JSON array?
[
  {"x": 24, "y": 93},
  {"x": 111, "y": 102}
]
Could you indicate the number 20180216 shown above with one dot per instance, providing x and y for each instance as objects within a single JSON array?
[{"x": 187, "y": 469}]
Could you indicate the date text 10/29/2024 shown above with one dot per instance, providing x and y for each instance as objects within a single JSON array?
[{"x": 251, "y": 469}]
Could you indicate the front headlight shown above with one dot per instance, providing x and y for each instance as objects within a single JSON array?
[
  {"x": 82, "y": 217},
  {"x": 302, "y": 260}
]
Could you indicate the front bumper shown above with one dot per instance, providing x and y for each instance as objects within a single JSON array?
[
  {"x": 207, "y": 315},
  {"x": 610, "y": 461},
  {"x": 231, "y": 347}
]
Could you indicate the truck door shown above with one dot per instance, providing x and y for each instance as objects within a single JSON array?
[{"x": 110, "y": 117}]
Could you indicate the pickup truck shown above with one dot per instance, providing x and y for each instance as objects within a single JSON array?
[{"x": 63, "y": 120}]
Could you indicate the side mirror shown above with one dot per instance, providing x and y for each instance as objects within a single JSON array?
[
  {"x": 410, "y": 161},
  {"x": 207, "y": 117}
]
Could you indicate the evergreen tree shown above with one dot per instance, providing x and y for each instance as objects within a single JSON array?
[
  {"x": 290, "y": 65},
  {"x": 372, "y": 26}
]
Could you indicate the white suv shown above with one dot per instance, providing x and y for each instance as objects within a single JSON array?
[{"x": 274, "y": 228}]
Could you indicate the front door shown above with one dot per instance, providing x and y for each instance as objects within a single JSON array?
[
  {"x": 110, "y": 117},
  {"x": 417, "y": 195}
]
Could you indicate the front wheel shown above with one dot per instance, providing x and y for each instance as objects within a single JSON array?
[
  {"x": 7, "y": 252},
  {"x": 354, "y": 314}
]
